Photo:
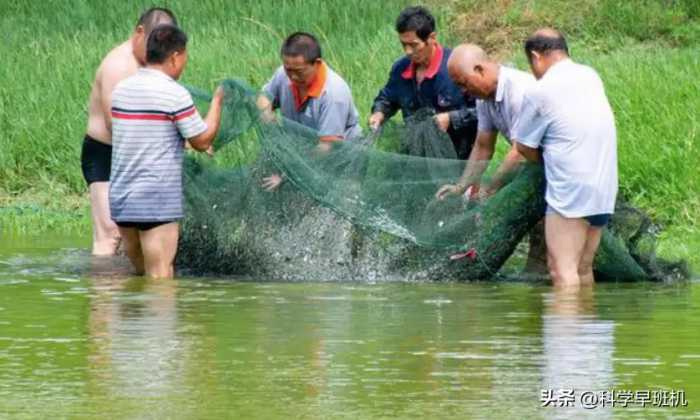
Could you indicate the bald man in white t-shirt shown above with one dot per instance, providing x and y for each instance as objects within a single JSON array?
[{"x": 567, "y": 116}]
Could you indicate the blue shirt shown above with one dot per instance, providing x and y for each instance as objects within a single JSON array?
[{"x": 437, "y": 92}]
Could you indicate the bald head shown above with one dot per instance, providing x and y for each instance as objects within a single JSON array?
[
  {"x": 473, "y": 71},
  {"x": 546, "y": 41},
  {"x": 548, "y": 32},
  {"x": 465, "y": 58},
  {"x": 148, "y": 21},
  {"x": 156, "y": 16},
  {"x": 544, "y": 48}
]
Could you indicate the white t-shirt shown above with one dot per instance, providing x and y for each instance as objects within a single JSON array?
[{"x": 567, "y": 114}]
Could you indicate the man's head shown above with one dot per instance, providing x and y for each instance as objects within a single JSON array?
[
  {"x": 149, "y": 19},
  {"x": 544, "y": 48},
  {"x": 416, "y": 28},
  {"x": 167, "y": 49},
  {"x": 473, "y": 71},
  {"x": 300, "y": 53}
]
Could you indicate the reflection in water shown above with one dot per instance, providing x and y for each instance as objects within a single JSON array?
[
  {"x": 578, "y": 350},
  {"x": 134, "y": 349}
]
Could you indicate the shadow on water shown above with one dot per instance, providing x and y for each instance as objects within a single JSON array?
[{"x": 80, "y": 338}]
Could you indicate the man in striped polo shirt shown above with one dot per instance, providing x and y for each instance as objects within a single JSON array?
[{"x": 152, "y": 116}]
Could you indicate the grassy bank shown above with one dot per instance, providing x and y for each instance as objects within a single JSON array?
[{"x": 646, "y": 52}]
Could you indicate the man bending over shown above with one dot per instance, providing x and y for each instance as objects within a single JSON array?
[{"x": 500, "y": 91}]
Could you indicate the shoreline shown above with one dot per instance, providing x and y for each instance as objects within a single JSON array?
[{"x": 20, "y": 218}]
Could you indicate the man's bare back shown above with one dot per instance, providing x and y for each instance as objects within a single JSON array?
[
  {"x": 96, "y": 156},
  {"x": 117, "y": 65}
]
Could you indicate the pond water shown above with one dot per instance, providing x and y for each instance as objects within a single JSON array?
[{"x": 79, "y": 338}]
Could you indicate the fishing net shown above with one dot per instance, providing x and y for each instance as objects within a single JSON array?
[{"x": 357, "y": 212}]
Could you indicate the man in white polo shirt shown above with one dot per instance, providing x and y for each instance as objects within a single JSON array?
[
  {"x": 306, "y": 90},
  {"x": 500, "y": 92},
  {"x": 567, "y": 115}
]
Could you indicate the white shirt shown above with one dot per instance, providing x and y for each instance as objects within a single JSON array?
[
  {"x": 568, "y": 115},
  {"x": 501, "y": 113}
]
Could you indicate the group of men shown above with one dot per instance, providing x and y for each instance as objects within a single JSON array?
[{"x": 141, "y": 119}]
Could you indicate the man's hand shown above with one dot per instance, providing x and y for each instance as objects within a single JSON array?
[
  {"x": 210, "y": 151},
  {"x": 267, "y": 114},
  {"x": 324, "y": 146},
  {"x": 219, "y": 94},
  {"x": 272, "y": 182},
  {"x": 376, "y": 120},
  {"x": 472, "y": 190},
  {"x": 442, "y": 121},
  {"x": 449, "y": 190}
]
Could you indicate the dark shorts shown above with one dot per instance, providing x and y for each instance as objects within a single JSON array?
[
  {"x": 95, "y": 160},
  {"x": 142, "y": 225},
  {"x": 598, "y": 220}
]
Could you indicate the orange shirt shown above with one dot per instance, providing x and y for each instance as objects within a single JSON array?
[{"x": 315, "y": 88}]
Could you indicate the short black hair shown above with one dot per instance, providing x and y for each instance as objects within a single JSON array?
[
  {"x": 302, "y": 43},
  {"x": 416, "y": 19},
  {"x": 163, "y": 41},
  {"x": 154, "y": 16},
  {"x": 544, "y": 43}
]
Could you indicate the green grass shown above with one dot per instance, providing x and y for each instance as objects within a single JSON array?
[
  {"x": 646, "y": 52},
  {"x": 51, "y": 52}
]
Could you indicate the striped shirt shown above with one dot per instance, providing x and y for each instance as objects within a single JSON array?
[{"x": 151, "y": 116}]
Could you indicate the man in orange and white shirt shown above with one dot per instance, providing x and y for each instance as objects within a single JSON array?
[{"x": 307, "y": 91}]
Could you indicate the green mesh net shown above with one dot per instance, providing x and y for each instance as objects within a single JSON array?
[{"x": 357, "y": 213}]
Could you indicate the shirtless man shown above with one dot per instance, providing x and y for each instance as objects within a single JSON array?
[{"x": 96, "y": 157}]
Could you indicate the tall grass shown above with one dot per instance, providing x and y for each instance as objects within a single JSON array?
[
  {"x": 50, "y": 53},
  {"x": 603, "y": 25}
]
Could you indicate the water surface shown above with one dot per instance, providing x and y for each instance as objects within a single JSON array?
[{"x": 79, "y": 338}]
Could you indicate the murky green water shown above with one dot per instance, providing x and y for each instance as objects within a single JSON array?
[{"x": 79, "y": 339}]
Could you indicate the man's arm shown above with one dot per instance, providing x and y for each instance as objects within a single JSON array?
[
  {"x": 530, "y": 129},
  {"x": 203, "y": 141},
  {"x": 479, "y": 159},
  {"x": 462, "y": 117},
  {"x": 385, "y": 104},
  {"x": 511, "y": 162},
  {"x": 530, "y": 154}
]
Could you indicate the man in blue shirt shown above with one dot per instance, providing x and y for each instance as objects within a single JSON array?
[{"x": 420, "y": 80}]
